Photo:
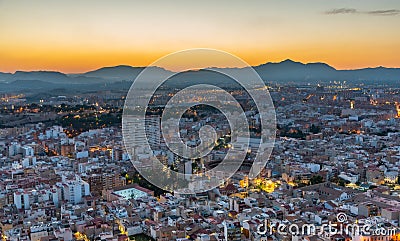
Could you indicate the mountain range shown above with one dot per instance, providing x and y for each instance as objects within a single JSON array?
[{"x": 120, "y": 77}]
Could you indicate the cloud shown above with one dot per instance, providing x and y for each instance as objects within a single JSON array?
[
  {"x": 386, "y": 12},
  {"x": 389, "y": 12},
  {"x": 341, "y": 11}
]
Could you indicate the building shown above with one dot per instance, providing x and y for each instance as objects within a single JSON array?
[
  {"x": 232, "y": 231},
  {"x": 368, "y": 209},
  {"x": 22, "y": 199},
  {"x": 128, "y": 193},
  {"x": 134, "y": 134},
  {"x": 153, "y": 130},
  {"x": 67, "y": 149},
  {"x": 75, "y": 190}
]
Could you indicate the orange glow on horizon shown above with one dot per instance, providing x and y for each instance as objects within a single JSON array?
[
  {"x": 84, "y": 62},
  {"x": 79, "y": 36}
]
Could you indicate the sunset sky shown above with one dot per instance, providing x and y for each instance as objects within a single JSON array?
[{"x": 78, "y": 36}]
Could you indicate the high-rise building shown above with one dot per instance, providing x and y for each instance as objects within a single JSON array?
[
  {"x": 27, "y": 151},
  {"x": 104, "y": 181},
  {"x": 188, "y": 169},
  {"x": 232, "y": 231},
  {"x": 153, "y": 131},
  {"x": 138, "y": 133},
  {"x": 75, "y": 190},
  {"x": 21, "y": 199},
  {"x": 13, "y": 149},
  {"x": 134, "y": 134}
]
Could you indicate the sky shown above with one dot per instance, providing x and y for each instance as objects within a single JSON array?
[{"x": 77, "y": 36}]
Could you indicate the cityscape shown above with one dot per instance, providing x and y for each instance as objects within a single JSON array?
[
  {"x": 66, "y": 174},
  {"x": 301, "y": 149}
]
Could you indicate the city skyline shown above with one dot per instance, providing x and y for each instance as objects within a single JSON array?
[
  {"x": 199, "y": 121},
  {"x": 76, "y": 37}
]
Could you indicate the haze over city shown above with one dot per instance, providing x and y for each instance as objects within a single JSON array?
[{"x": 76, "y": 36}]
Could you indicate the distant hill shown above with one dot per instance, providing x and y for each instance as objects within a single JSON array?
[
  {"x": 120, "y": 76},
  {"x": 117, "y": 73},
  {"x": 121, "y": 72},
  {"x": 49, "y": 76},
  {"x": 289, "y": 70}
]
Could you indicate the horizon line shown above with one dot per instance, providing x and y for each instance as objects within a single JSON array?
[{"x": 253, "y": 66}]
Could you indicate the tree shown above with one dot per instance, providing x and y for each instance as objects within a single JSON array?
[
  {"x": 316, "y": 179},
  {"x": 315, "y": 129}
]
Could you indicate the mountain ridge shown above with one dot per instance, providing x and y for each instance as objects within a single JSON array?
[{"x": 284, "y": 71}]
